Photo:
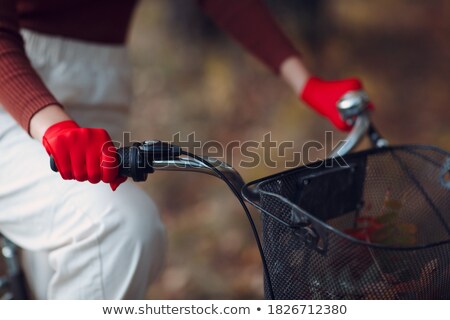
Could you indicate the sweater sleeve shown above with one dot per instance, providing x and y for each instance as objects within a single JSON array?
[
  {"x": 251, "y": 24},
  {"x": 22, "y": 92}
]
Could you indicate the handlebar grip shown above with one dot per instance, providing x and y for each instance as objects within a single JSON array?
[
  {"x": 123, "y": 155},
  {"x": 53, "y": 164},
  {"x": 128, "y": 164},
  {"x": 137, "y": 161},
  {"x": 133, "y": 164}
]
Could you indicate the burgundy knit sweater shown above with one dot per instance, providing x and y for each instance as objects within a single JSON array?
[{"x": 23, "y": 93}]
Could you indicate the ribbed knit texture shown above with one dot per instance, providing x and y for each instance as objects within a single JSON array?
[
  {"x": 252, "y": 25},
  {"x": 23, "y": 93}
]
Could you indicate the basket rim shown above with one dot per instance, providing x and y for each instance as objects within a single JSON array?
[{"x": 254, "y": 186}]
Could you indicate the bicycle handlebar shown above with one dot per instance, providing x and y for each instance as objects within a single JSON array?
[
  {"x": 141, "y": 159},
  {"x": 160, "y": 156}
]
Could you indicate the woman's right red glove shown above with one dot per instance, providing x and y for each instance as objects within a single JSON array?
[{"x": 83, "y": 153}]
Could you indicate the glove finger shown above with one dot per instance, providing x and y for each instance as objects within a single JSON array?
[
  {"x": 58, "y": 159},
  {"x": 79, "y": 171},
  {"x": 65, "y": 165},
  {"x": 109, "y": 164},
  {"x": 353, "y": 84},
  {"x": 62, "y": 160},
  {"x": 115, "y": 184},
  {"x": 94, "y": 173}
]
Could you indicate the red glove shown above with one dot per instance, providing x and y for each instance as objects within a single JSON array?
[
  {"x": 323, "y": 96},
  {"x": 83, "y": 153}
]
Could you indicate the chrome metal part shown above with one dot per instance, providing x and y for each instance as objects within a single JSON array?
[{"x": 354, "y": 137}]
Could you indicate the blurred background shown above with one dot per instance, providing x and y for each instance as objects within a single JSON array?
[{"x": 190, "y": 77}]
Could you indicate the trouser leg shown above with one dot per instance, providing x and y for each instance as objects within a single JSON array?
[{"x": 99, "y": 244}]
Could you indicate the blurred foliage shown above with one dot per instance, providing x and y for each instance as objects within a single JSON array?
[{"x": 190, "y": 77}]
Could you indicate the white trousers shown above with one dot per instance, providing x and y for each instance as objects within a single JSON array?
[{"x": 80, "y": 241}]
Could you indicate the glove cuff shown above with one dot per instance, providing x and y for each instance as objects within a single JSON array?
[
  {"x": 58, "y": 127},
  {"x": 310, "y": 89}
]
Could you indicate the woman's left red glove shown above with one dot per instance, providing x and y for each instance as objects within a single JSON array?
[
  {"x": 323, "y": 96},
  {"x": 83, "y": 154}
]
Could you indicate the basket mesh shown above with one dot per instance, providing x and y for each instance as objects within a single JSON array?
[{"x": 379, "y": 220}]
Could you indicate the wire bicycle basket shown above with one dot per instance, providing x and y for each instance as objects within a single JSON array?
[{"x": 370, "y": 225}]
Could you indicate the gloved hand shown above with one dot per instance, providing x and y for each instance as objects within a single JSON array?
[
  {"x": 323, "y": 96},
  {"x": 83, "y": 153}
]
